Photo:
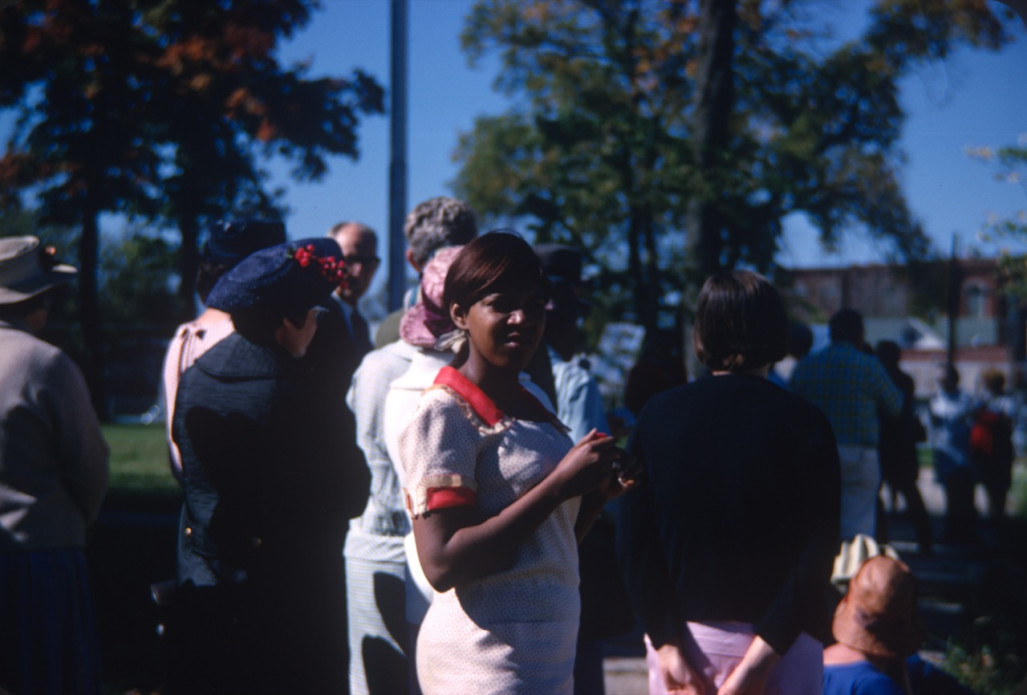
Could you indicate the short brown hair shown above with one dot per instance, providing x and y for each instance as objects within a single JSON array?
[
  {"x": 487, "y": 263},
  {"x": 740, "y": 323}
]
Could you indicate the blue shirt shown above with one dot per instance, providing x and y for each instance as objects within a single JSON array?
[
  {"x": 579, "y": 404},
  {"x": 859, "y": 678},
  {"x": 851, "y": 387},
  {"x": 862, "y": 678}
]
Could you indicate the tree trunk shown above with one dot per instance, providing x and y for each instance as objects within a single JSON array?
[
  {"x": 714, "y": 101},
  {"x": 88, "y": 259},
  {"x": 647, "y": 292},
  {"x": 189, "y": 263}
]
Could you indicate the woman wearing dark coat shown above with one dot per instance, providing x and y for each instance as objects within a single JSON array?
[
  {"x": 266, "y": 499},
  {"x": 727, "y": 544}
]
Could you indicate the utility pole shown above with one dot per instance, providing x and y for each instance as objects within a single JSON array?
[
  {"x": 398, "y": 153},
  {"x": 953, "y": 303}
]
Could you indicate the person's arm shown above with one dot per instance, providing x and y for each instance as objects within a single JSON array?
[
  {"x": 679, "y": 676},
  {"x": 456, "y": 545},
  {"x": 168, "y": 390},
  {"x": 818, "y": 484},
  {"x": 81, "y": 447},
  {"x": 750, "y": 675}
]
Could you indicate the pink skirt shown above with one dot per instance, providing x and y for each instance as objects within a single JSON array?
[{"x": 718, "y": 647}]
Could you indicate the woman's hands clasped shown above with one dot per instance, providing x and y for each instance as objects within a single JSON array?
[
  {"x": 596, "y": 463},
  {"x": 678, "y": 675}
]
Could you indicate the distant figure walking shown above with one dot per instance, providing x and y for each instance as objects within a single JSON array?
[
  {"x": 853, "y": 389},
  {"x": 727, "y": 544},
  {"x": 991, "y": 442},
  {"x": 952, "y": 411},
  {"x": 53, "y": 476},
  {"x": 900, "y": 461}
]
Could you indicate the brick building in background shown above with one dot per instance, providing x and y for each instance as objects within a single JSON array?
[{"x": 989, "y": 325}]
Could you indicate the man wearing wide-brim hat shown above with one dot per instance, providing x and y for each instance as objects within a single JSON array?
[{"x": 53, "y": 476}]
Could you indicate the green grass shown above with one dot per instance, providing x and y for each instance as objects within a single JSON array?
[{"x": 140, "y": 474}]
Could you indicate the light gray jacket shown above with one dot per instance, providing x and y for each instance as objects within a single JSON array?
[{"x": 53, "y": 458}]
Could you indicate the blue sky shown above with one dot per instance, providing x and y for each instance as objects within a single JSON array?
[{"x": 973, "y": 99}]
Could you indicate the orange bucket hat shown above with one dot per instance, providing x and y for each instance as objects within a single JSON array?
[{"x": 878, "y": 614}]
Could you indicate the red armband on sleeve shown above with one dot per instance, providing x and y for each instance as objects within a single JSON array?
[{"x": 445, "y": 497}]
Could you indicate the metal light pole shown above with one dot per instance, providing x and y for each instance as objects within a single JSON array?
[
  {"x": 398, "y": 154},
  {"x": 953, "y": 302}
]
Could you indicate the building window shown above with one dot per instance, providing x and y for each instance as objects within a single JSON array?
[{"x": 976, "y": 301}]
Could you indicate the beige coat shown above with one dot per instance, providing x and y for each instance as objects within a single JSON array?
[{"x": 53, "y": 458}]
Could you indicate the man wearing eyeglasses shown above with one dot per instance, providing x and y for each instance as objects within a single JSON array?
[{"x": 359, "y": 245}]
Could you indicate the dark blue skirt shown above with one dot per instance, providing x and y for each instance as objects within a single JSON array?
[{"x": 47, "y": 624}]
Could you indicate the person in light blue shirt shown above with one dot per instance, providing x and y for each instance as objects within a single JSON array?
[
  {"x": 952, "y": 413},
  {"x": 579, "y": 403}
]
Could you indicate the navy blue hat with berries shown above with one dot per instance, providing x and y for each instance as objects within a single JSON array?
[{"x": 286, "y": 280}]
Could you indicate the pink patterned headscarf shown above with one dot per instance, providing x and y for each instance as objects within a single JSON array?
[{"x": 428, "y": 319}]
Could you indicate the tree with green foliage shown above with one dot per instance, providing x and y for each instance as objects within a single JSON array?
[
  {"x": 78, "y": 144},
  {"x": 670, "y": 139},
  {"x": 226, "y": 104},
  {"x": 1011, "y": 167},
  {"x": 159, "y": 110}
]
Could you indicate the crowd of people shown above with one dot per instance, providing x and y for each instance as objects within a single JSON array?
[{"x": 443, "y": 509}]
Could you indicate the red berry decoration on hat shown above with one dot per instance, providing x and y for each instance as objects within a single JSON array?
[{"x": 331, "y": 268}]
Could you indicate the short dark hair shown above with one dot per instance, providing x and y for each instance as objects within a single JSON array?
[
  {"x": 740, "y": 323},
  {"x": 259, "y": 326},
  {"x": 889, "y": 352},
  {"x": 846, "y": 326},
  {"x": 488, "y": 263},
  {"x": 800, "y": 340},
  {"x": 207, "y": 275}
]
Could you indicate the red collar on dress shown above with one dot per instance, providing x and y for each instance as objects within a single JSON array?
[
  {"x": 480, "y": 403},
  {"x": 469, "y": 391}
]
